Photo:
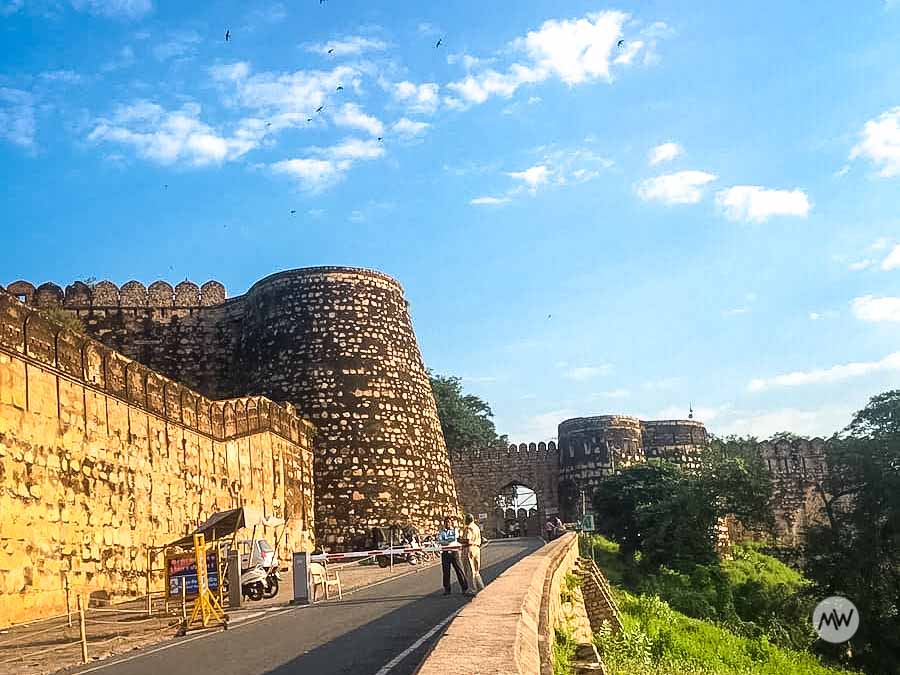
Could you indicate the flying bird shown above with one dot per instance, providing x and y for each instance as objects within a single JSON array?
[
  {"x": 309, "y": 119},
  {"x": 268, "y": 124},
  {"x": 438, "y": 43},
  {"x": 320, "y": 108},
  {"x": 331, "y": 51},
  {"x": 227, "y": 35},
  {"x": 340, "y": 87},
  {"x": 549, "y": 315},
  {"x": 380, "y": 139},
  {"x": 166, "y": 186},
  {"x": 293, "y": 211},
  {"x": 621, "y": 44}
]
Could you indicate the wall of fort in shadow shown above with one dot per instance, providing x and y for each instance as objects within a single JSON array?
[{"x": 101, "y": 457}]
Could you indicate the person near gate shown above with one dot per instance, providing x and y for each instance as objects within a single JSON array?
[
  {"x": 471, "y": 541},
  {"x": 446, "y": 537}
]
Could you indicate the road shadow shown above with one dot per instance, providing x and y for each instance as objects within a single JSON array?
[{"x": 388, "y": 635}]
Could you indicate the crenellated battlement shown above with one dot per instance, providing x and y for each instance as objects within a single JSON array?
[
  {"x": 105, "y": 294},
  {"x": 28, "y": 333},
  {"x": 523, "y": 451}
]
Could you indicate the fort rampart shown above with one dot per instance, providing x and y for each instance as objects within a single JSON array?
[
  {"x": 101, "y": 457},
  {"x": 335, "y": 342}
]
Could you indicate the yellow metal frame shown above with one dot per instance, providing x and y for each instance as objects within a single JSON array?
[{"x": 206, "y": 606}]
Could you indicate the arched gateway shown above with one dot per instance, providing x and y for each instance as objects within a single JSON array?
[{"x": 484, "y": 477}]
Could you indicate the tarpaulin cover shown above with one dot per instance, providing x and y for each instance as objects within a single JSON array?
[{"x": 217, "y": 526}]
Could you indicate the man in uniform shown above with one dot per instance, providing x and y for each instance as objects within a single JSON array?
[
  {"x": 471, "y": 541},
  {"x": 446, "y": 537}
]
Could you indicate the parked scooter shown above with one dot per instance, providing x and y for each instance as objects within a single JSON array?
[
  {"x": 273, "y": 577},
  {"x": 253, "y": 583}
]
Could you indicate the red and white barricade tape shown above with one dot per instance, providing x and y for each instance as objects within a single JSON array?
[{"x": 396, "y": 550}]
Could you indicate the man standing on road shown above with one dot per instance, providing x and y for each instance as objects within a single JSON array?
[
  {"x": 446, "y": 537},
  {"x": 471, "y": 541}
]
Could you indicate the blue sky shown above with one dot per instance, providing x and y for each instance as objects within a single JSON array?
[{"x": 705, "y": 214}]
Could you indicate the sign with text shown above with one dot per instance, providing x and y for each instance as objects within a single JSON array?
[{"x": 182, "y": 568}]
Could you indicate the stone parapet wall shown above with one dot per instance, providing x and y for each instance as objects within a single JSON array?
[
  {"x": 508, "y": 627},
  {"x": 101, "y": 458}
]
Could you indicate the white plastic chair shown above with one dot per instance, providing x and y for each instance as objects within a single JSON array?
[{"x": 320, "y": 574}]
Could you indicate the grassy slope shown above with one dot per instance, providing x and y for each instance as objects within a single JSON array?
[{"x": 658, "y": 640}]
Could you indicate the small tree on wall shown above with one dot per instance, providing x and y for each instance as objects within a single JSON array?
[{"x": 465, "y": 418}]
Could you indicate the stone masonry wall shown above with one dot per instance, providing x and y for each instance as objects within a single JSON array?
[
  {"x": 335, "y": 342},
  {"x": 481, "y": 474},
  {"x": 339, "y": 344},
  {"x": 101, "y": 457}
]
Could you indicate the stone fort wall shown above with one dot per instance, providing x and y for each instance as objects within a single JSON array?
[
  {"x": 335, "y": 342},
  {"x": 481, "y": 474},
  {"x": 593, "y": 448},
  {"x": 101, "y": 457}
]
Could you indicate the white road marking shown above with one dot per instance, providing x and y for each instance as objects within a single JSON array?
[{"x": 389, "y": 666}]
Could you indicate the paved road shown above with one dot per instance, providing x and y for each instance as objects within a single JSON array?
[{"x": 363, "y": 634}]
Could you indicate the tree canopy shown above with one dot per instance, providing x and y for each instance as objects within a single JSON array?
[
  {"x": 855, "y": 552},
  {"x": 669, "y": 514},
  {"x": 465, "y": 418}
]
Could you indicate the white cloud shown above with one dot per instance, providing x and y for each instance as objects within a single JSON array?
[
  {"x": 428, "y": 29},
  {"x": 326, "y": 167},
  {"x": 587, "y": 372},
  {"x": 736, "y": 311},
  {"x": 313, "y": 174},
  {"x": 285, "y": 99},
  {"x": 123, "y": 59},
  {"x": 350, "y": 115},
  {"x": 880, "y": 143},
  {"x": 860, "y": 265},
  {"x": 66, "y": 76},
  {"x": 892, "y": 261},
  {"x": 541, "y": 427},
  {"x": 757, "y": 204},
  {"x": 664, "y": 153},
  {"x": 348, "y": 46},
  {"x": 870, "y": 308},
  {"x": 532, "y": 177},
  {"x": 838, "y": 373},
  {"x": 814, "y": 316},
  {"x": 418, "y": 98},
  {"x": 880, "y": 244},
  {"x": 408, "y": 129},
  {"x": 179, "y": 44},
  {"x": 355, "y": 149},
  {"x": 130, "y": 9},
  {"x": 701, "y": 413},
  {"x": 682, "y": 187},
  {"x": 613, "y": 393},
  {"x": 576, "y": 50},
  {"x": 763, "y": 424},
  {"x": 573, "y": 50},
  {"x": 17, "y": 123},
  {"x": 167, "y": 137},
  {"x": 488, "y": 201}
]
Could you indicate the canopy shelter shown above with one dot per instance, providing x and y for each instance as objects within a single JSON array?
[{"x": 217, "y": 526}]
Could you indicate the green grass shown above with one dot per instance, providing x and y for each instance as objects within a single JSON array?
[
  {"x": 657, "y": 640},
  {"x": 563, "y": 652},
  {"x": 745, "y": 615}
]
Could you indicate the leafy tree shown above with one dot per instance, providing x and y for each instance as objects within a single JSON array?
[
  {"x": 465, "y": 418},
  {"x": 669, "y": 515},
  {"x": 68, "y": 320},
  {"x": 856, "y": 551}
]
